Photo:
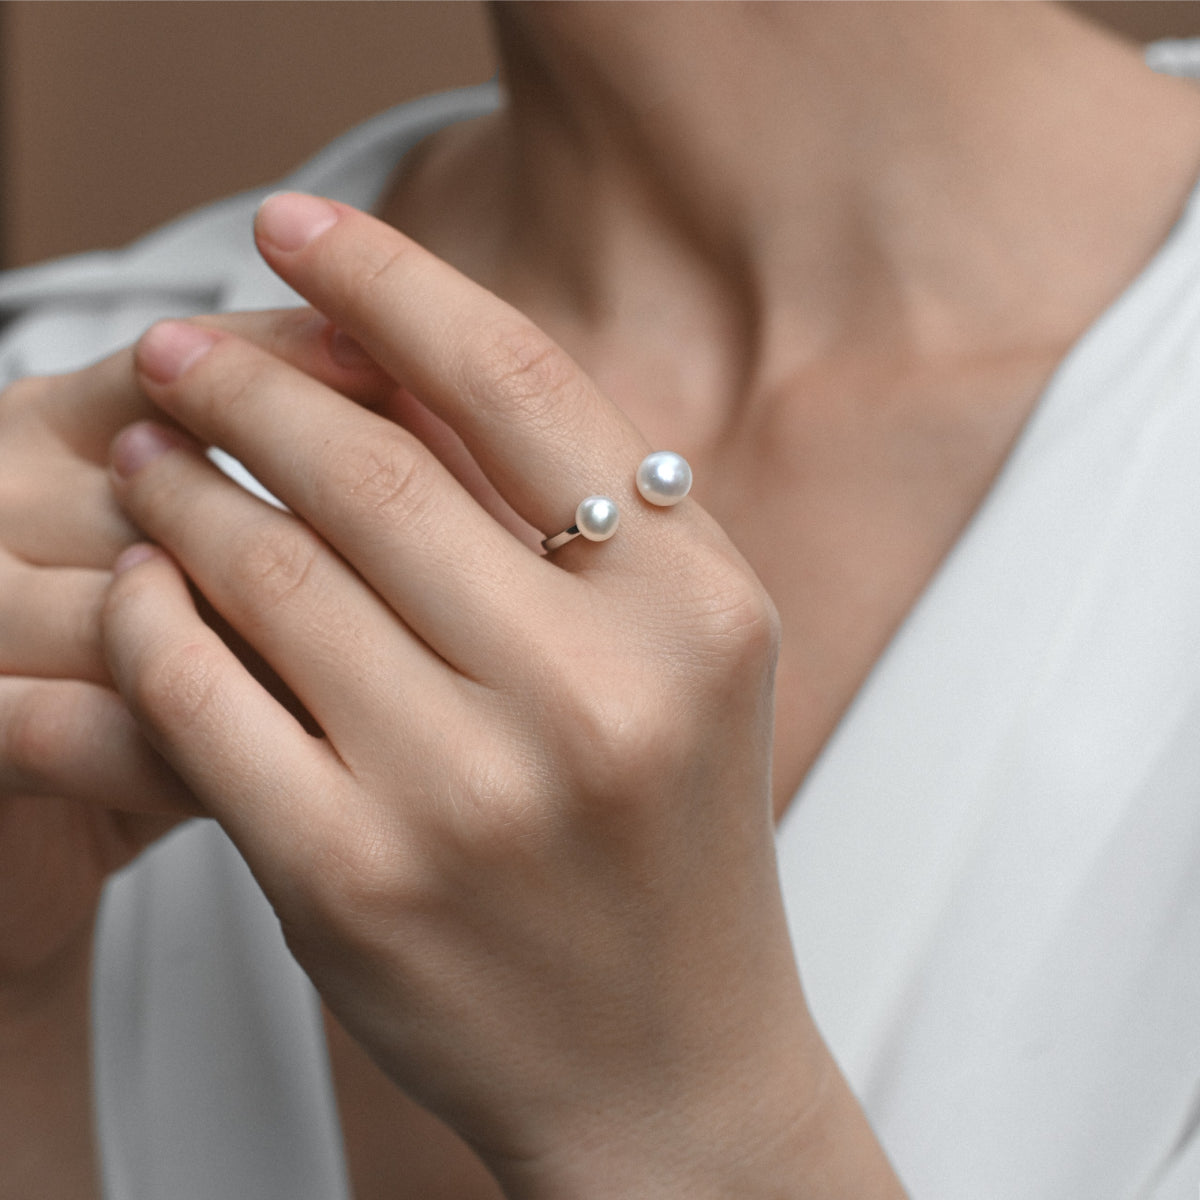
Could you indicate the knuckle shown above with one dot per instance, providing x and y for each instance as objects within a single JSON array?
[
  {"x": 622, "y": 737},
  {"x": 494, "y": 813},
  {"x": 348, "y": 869},
  {"x": 366, "y": 871},
  {"x": 743, "y": 626},
  {"x": 270, "y": 569},
  {"x": 531, "y": 376},
  {"x": 176, "y": 686},
  {"x": 705, "y": 663},
  {"x": 359, "y": 876},
  {"x": 730, "y": 623},
  {"x": 384, "y": 479}
]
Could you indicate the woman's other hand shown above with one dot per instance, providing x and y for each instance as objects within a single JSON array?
[{"x": 81, "y": 791}]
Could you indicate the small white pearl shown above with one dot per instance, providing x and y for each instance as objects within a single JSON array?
[
  {"x": 597, "y": 518},
  {"x": 664, "y": 478}
]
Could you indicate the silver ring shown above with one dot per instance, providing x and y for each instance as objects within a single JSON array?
[{"x": 663, "y": 479}]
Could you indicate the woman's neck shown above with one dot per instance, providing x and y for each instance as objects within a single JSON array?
[{"x": 774, "y": 184}]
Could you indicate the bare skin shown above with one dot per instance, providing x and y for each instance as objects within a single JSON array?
[{"x": 867, "y": 293}]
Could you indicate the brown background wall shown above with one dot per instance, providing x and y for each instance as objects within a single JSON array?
[{"x": 116, "y": 115}]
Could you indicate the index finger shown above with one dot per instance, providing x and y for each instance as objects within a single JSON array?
[
  {"x": 88, "y": 407},
  {"x": 531, "y": 418}
]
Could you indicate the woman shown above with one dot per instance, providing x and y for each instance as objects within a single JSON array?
[{"x": 835, "y": 256}]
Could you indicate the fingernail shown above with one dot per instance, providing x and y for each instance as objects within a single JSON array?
[
  {"x": 139, "y": 552},
  {"x": 290, "y": 220},
  {"x": 167, "y": 349},
  {"x": 140, "y": 444}
]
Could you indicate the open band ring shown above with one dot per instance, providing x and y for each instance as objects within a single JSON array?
[{"x": 663, "y": 478}]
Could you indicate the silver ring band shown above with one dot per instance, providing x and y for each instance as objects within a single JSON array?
[{"x": 560, "y": 539}]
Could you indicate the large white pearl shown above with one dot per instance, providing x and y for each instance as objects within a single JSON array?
[
  {"x": 596, "y": 518},
  {"x": 664, "y": 478}
]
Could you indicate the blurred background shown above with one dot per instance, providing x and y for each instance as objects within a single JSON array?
[{"x": 116, "y": 115}]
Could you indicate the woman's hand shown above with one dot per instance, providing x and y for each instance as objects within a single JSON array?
[
  {"x": 530, "y": 864},
  {"x": 81, "y": 791}
]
